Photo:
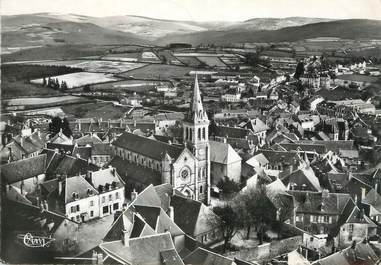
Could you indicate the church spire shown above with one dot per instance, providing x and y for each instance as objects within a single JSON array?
[{"x": 197, "y": 110}]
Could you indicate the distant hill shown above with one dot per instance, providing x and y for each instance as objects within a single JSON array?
[
  {"x": 40, "y": 29},
  {"x": 346, "y": 29},
  {"x": 43, "y": 29}
]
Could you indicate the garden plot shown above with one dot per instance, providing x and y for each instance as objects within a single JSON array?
[
  {"x": 41, "y": 100},
  {"x": 80, "y": 79}
]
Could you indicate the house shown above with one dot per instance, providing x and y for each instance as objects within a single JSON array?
[
  {"x": 352, "y": 226},
  {"x": 358, "y": 253},
  {"x": 372, "y": 205},
  {"x": 259, "y": 128},
  {"x": 194, "y": 218},
  {"x": 274, "y": 163},
  {"x": 232, "y": 95},
  {"x": 22, "y": 178},
  {"x": 101, "y": 154},
  {"x": 224, "y": 162},
  {"x": 303, "y": 179},
  {"x": 61, "y": 138},
  {"x": 83, "y": 198},
  {"x": 204, "y": 256},
  {"x": 318, "y": 212},
  {"x": 39, "y": 222},
  {"x": 24, "y": 146}
]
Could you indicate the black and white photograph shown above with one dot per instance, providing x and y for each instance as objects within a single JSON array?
[{"x": 190, "y": 132}]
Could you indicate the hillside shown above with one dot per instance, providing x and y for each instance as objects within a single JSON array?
[
  {"x": 37, "y": 30},
  {"x": 346, "y": 29}
]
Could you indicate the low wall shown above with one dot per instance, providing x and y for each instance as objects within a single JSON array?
[{"x": 268, "y": 250}]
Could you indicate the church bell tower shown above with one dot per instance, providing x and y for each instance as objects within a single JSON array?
[{"x": 196, "y": 137}]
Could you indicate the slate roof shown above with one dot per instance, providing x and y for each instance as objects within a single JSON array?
[
  {"x": 276, "y": 157},
  {"x": 314, "y": 202},
  {"x": 101, "y": 149},
  {"x": 223, "y": 153},
  {"x": 186, "y": 213},
  {"x": 305, "y": 176},
  {"x": 206, "y": 257},
  {"x": 23, "y": 169},
  {"x": 332, "y": 145},
  {"x": 310, "y": 147},
  {"x": 132, "y": 172},
  {"x": 62, "y": 164},
  {"x": 148, "y": 197},
  {"x": 106, "y": 176},
  {"x": 231, "y": 132},
  {"x": 170, "y": 257},
  {"x": 27, "y": 217},
  {"x": 78, "y": 185},
  {"x": 361, "y": 254},
  {"x": 88, "y": 139},
  {"x": 142, "y": 250},
  {"x": 373, "y": 198},
  {"x": 147, "y": 147},
  {"x": 83, "y": 152}
]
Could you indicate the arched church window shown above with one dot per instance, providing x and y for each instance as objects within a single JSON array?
[
  {"x": 199, "y": 133},
  {"x": 201, "y": 190},
  {"x": 200, "y": 113},
  {"x": 186, "y": 133},
  {"x": 203, "y": 133},
  {"x": 190, "y": 134}
]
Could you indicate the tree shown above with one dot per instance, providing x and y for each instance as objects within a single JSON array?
[
  {"x": 57, "y": 124},
  {"x": 228, "y": 221},
  {"x": 299, "y": 70},
  {"x": 86, "y": 88},
  {"x": 228, "y": 186},
  {"x": 44, "y": 81},
  {"x": 260, "y": 210}
]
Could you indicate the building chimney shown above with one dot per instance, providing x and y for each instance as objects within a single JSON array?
[
  {"x": 46, "y": 206},
  {"x": 60, "y": 180},
  {"x": 134, "y": 194},
  {"x": 171, "y": 213},
  {"x": 363, "y": 194},
  {"x": 126, "y": 237}
]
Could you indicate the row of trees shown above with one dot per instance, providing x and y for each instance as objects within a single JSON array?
[
  {"x": 251, "y": 209},
  {"x": 54, "y": 83}
]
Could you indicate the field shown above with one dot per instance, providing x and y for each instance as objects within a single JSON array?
[
  {"x": 98, "y": 66},
  {"x": 104, "y": 110},
  {"x": 80, "y": 79},
  {"x": 127, "y": 85},
  {"x": 212, "y": 61},
  {"x": 190, "y": 61},
  {"x": 124, "y": 57},
  {"x": 16, "y": 89},
  {"x": 41, "y": 100},
  {"x": 158, "y": 72},
  {"x": 56, "y": 52}
]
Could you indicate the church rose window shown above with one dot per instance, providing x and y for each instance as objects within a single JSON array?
[{"x": 184, "y": 174}]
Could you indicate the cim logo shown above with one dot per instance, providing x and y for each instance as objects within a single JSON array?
[{"x": 34, "y": 241}]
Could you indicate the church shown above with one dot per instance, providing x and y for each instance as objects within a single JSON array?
[{"x": 186, "y": 167}]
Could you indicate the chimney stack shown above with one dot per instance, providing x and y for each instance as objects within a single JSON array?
[
  {"x": 171, "y": 213},
  {"x": 126, "y": 237},
  {"x": 134, "y": 194}
]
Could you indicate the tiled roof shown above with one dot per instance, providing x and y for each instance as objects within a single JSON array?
[
  {"x": 23, "y": 169},
  {"x": 332, "y": 145},
  {"x": 233, "y": 132},
  {"x": 186, "y": 213},
  {"x": 147, "y": 147},
  {"x": 148, "y": 197}
]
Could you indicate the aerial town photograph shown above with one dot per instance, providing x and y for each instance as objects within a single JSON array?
[{"x": 190, "y": 132}]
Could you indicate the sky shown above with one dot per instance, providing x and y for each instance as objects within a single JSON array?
[{"x": 201, "y": 10}]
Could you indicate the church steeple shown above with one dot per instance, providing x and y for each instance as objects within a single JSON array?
[{"x": 196, "y": 111}]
